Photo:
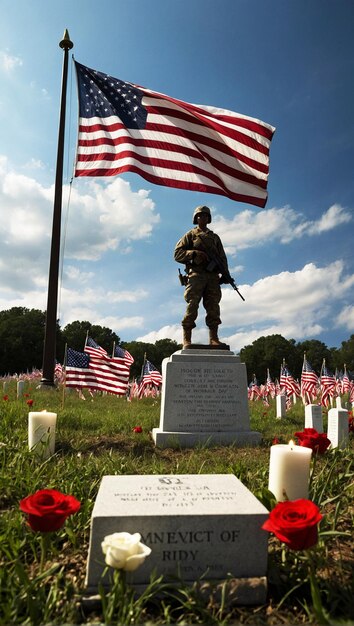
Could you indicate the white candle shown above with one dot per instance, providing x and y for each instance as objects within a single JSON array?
[
  {"x": 289, "y": 471},
  {"x": 41, "y": 432}
]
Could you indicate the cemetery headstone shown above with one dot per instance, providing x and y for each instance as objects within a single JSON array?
[
  {"x": 204, "y": 400},
  {"x": 338, "y": 428},
  {"x": 313, "y": 417},
  {"x": 20, "y": 388},
  {"x": 196, "y": 526},
  {"x": 280, "y": 406}
]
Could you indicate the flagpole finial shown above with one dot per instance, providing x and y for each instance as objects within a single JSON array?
[{"x": 66, "y": 41}]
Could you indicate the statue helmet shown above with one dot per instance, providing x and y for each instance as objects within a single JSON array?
[{"x": 201, "y": 209}]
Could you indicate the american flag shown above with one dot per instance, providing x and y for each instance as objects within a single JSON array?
[
  {"x": 345, "y": 381},
  {"x": 288, "y": 382},
  {"x": 309, "y": 379},
  {"x": 151, "y": 376},
  {"x": 328, "y": 385},
  {"x": 121, "y": 353},
  {"x": 112, "y": 375},
  {"x": 77, "y": 370},
  {"x": 124, "y": 127},
  {"x": 270, "y": 385},
  {"x": 91, "y": 347},
  {"x": 254, "y": 391}
]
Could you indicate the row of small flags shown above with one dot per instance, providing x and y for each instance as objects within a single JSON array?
[
  {"x": 312, "y": 388},
  {"x": 96, "y": 370}
]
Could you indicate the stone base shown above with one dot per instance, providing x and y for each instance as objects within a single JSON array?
[
  {"x": 169, "y": 439},
  {"x": 202, "y": 346},
  {"x": 239, "y": 591}
]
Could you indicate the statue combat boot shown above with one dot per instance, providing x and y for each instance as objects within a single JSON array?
[{"x": 214, "y": 339}]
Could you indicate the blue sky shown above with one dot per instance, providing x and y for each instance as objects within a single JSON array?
[{"x": 289, "y": 63}]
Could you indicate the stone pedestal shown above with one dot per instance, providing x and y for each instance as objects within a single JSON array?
[
  {"x": 204, "y": 401},
  {"x": 197, "y": 526},
  {"x": 313, "y": 417}
]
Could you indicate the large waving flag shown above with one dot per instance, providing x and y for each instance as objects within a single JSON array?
[{"x": 124, "y": 127}]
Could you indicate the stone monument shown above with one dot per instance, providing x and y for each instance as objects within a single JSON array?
[
  {"x": 197, "y": 526},
  {"x": 204, "y": 400}
]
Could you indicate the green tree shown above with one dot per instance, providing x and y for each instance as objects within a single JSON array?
[
  {"x": 268, "y": 353},
  {"x": 345, "y": 355},
  {"x": 22, "y": 339},
  {"x": 74, "y": 336},
  {"x": 315, "y": 351}
]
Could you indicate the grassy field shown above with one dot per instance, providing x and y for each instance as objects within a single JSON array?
[{"x": 95, "y": 438}]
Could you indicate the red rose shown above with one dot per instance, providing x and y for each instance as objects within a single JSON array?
[
  {"x": 137, "y": 429},
  {"x": 47, "y": 509},
  {"x": 295, "y": 523},
  {"x": 5, "y": 397},
  {"x": 275, "y": 441},
  {"x": 29, "y": 402},
  {"x": 310, "y": 438}
]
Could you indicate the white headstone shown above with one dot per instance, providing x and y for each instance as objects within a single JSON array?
[
  {"x": 195, "y": 525},
  {"x": 5, "y": 386},
  {"x": 20, "y": 388},
  {"x": 280, "y": 406},
  {"x": 338, "y": 428},
  {"x": 204, "y": 400},
  {"x": 339, "y": 402},
  {"x": 313, "y": 417}
]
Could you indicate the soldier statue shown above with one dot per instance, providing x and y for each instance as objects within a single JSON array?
[{"x": 202, "y": 252}]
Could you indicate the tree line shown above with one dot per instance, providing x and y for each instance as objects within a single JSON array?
[{"x": 22, "y": 336}]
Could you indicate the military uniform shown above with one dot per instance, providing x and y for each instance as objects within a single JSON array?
[{"x": 192, "y": 250}]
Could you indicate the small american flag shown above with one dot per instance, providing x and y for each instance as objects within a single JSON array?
[
  {"x": 309, "y": 379},
  {"x": 77, "y": 370},
  {"x": 121, "y": 353},
  {"x": 112, "y": 375},
  {"x": 328, "y": 385},
  {"x": 288, "y": 382},
  {"x": 151, "y": 376},
  {"x": 124, "y": 127}
]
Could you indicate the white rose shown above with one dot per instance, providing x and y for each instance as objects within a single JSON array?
[{"x": 124, "y": 551}]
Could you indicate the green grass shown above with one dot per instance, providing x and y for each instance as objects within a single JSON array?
[{"x": 95, "y": 438}]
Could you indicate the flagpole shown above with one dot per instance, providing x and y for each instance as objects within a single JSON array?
[{"x": 49, "y": 349}]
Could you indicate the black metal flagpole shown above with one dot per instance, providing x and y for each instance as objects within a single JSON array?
[{"x": 49, "y": 349}]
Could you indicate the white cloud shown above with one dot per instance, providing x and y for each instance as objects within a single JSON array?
[
  {"x": 107, "y": 217},
  {"x": 34, "y": 164},
  {"x": 9, "y": 62},
  {"x": 252, "y": 228},
  {"x": 101, "y": 218},
  {"x": 335, "y": 216},
  {"x": 346, "y": 318}
]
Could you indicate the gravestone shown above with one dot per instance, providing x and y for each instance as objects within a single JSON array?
[
  {"x": 20, "y": 388},
  {"x": 196, "y": 525},
  {"x": 338, "y": 428},
  {"x": 313, "y": 417},
  {"x": 204, "y": 400},
  {"x": 280, "y": 406}
]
